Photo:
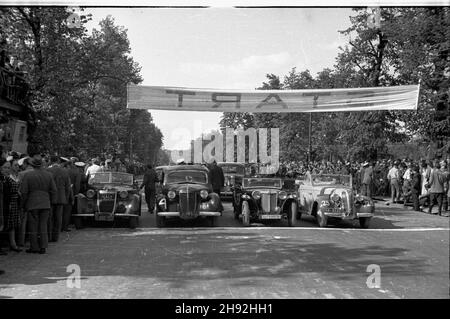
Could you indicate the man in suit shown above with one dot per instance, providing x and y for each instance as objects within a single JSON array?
[
  {"x": 437, "y": 187},
  {"x": 415, "y": 187},
  {"x": 149, "y": 182},
  {"x": 216, "y": 178},
  {"x": 38, "y": 191},
  {"x": 63, "y": 195}
]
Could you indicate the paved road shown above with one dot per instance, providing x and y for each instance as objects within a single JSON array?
[{"x": 193, "y": 261}]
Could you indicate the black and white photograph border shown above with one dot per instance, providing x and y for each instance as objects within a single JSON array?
[{"x": 222, "y": 157}]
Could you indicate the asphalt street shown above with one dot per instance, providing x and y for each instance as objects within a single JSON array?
[{"x": 404, "y": 254}]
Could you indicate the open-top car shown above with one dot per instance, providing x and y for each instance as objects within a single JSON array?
[
  {"x": 233, "y": 173},
  {"x": 265, "y": 199},
  {"x": 186, "y": 193},
  {"x": 110, "y": 195},
  {"x": 327, "y": 196}
]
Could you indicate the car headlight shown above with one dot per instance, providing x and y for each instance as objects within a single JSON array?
[
  {"x": 204, "y": 193},
  {"x": 256, "y": 194},
  {"x": 90, "y": 193},
  {"x": 325, "y": 203},
  {"x": 282, "y": 195},
  {"x": 171, "y": 194},
  {"x": 335, "y": 197},
  {"x": 123, "y": 194}
]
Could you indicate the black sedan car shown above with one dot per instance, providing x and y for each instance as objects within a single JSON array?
[
  {"x": 110, "y": 195},
  {"x": 186, "y": 193}
]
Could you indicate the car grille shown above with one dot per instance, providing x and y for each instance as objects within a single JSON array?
[
  {"x": 268, "y": 202},
  {"x": 106, "y": 201},
  {"x": 188, "y": 202}
]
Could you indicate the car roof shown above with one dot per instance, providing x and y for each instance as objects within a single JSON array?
[
  {"x": 186, "y": 167},
  {"x": 230, "y": 163}
]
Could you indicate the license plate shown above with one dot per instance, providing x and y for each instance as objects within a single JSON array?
[
  {"x": 107, "y": 196},
  {"x": 270, "y": 216},
  {"x": 334, "y": 210}
]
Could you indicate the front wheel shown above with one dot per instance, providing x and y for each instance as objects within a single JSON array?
[
  {"x": 245, "y": 214},
  {"x": 364, "y": 222},
  {"x": 160, "y": 221},
  {"x": 133, "y": 222},
  {"x": 78, "y": 221},
  {"x": 322, "y": 220},
  {"x": 292, "y": 215}
]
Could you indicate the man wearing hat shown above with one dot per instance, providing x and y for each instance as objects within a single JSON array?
[
  {"x": 415, "y": 187},
  {"x": 149, "y": 182},
  {"x": 63, "y": 195},
  {"x": 38, "y": 191}
]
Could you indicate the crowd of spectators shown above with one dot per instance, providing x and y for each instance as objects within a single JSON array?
[{"x": 37, "y": 194}]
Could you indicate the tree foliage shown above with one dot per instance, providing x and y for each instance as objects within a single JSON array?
[{"x": 78, "y": 84}]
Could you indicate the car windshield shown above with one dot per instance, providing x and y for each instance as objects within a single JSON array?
[
  {"x": 324, "y": 180},
  {"x": 262, "y": 182},
  {"x": 112, "y": 178},
  {"x": 185, "y": 176},
  {"x": 233, "y": 169}
]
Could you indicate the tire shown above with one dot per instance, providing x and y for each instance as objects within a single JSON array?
[
  {"x": 160, "y": 221},
  {"x": 245, "y": 213},
  {"x": 364, "y": 222},
  {"x": 212, "y": 221},
  {"x": 133, "y": 222},
  {"x": 78, "y": 221},
  {"x": 292, "y": 214},
  {"x": 322, "y": 220}
]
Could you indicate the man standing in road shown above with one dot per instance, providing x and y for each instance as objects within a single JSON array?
[
  {"x": 150, "y": 179},
  {"x": 38, "y": 191},
  {"x": 217, "y": 179},
  {"x": 62, "y": 182},
  {"x": 415, "y": 187},
  {"x": 367, "y": 179},
  {"x": 394, "y": 177},
  {"x": 436, "y": 185}
]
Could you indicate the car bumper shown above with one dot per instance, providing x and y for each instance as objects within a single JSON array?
[
  {"x": 115, "y": 215},
  {"x": 178, "y": 214}
]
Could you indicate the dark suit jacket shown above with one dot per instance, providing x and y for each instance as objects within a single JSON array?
[
  {"x": 216, "y": 177},
  {"x": 150, "y": 178},
  {"x": 62, "y": 182},
  {"x": 38, "y": 190}
]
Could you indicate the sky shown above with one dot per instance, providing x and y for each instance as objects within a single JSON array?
[{"x": 223, "y": 48}]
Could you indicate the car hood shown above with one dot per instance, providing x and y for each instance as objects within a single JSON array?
[
  {"x": 191, "y": 187},
  {"x": 117, "y": 188},
  {"x": 335, "y": 189}
]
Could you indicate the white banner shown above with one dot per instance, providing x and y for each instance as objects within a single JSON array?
[{"x": 319, "y": 100}]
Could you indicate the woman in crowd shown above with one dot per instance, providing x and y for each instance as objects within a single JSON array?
[{"x": 11, "y": 203}]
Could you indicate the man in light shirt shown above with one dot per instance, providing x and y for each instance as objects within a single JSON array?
[
  {"x": 393, "y": 177},
  {"x": 94, "y": 168}
]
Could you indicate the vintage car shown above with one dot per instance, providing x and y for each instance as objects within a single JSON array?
[
  {"x": 327, "y": 196},
  {"x": 265, "y": 199},
  {"x": 186, "y": 193},
  {"x": 233, "y": 173},
  {"x": 110, "y": 195}
]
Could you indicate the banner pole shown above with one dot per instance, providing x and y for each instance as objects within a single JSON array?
[{"x": 418, "y": 95}]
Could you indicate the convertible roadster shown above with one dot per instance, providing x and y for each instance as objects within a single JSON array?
[
  {"x": 331, "y": 196},
  {"x": 186, "y": 193},
  {"x": 110, "y": 195},
  {"x": 265, "y": 199}
]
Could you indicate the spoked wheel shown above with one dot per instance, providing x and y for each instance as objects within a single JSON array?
[
  {"x": 322, "y": 220},
  {"x": 245, "y": 214},
  {"x": 292, "y": 215}
]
